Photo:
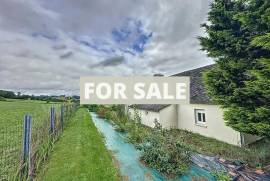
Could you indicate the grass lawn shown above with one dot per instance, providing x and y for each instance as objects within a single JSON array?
[
  {"x": 11, "y": 129},
  {"x": 80, "y": 154}
]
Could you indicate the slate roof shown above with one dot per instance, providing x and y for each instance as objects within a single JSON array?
[
  {"x": 150, "y": 107},
  {"x": 197, "y": 89}
]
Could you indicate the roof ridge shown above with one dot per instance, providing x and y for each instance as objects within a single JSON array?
[{"x": 193, "y": 70}]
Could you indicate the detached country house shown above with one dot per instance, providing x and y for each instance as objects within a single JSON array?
[{"x": 199, "y": 116}]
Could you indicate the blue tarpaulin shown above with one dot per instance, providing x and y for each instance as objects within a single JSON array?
[{"x": 128, "y": 157}]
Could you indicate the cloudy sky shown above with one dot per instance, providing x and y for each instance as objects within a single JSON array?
[{"x": 45, "y": 46}]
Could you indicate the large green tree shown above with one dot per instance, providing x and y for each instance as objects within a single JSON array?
[{"x": 238, "y": 36}]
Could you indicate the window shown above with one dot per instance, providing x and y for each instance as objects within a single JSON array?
[{"x": 200, "y": 116}]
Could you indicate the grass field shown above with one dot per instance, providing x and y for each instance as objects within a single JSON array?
[
  {"x": 80, "y": 154},
  {"x": 11, "y": 130}
]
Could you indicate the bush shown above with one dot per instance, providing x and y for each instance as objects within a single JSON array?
[
  {"x": 102, "y": 112},
  {"x": 136, "y": 133},
  {"x": 120, "y": 123},
  {"x": 164, "y": 153},
  {"x": 93, "y": 107},
  {"x": 221, "y": 176},
  {"x": 159, "y": 149}
]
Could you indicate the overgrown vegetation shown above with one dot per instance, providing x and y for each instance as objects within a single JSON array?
[
  {"x": 159, "y": 150},
  {"x": 256, "y": 155},
  {"x": 116, "y": 114},
  {"x": 221, "y": 176},
  {"x": 164, "y": 153},
  {"x": 238, "y": 34}
]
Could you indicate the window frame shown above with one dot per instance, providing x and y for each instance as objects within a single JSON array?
[{"x": 200, "y": 119}]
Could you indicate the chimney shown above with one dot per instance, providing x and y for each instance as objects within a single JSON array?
[{"x": 158, "y": 75}]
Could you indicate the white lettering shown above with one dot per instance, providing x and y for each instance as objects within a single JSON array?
[
  {"x": 166, "y": 92},
  {"x": 119, "y": 91},
  {"x": 180, "y": 90},
  {"x": 138, "y": 88},
  {"x": 88, "y": 90},
  {"x": 106, "y": 87},
  {"x": 153, "y": 91}
]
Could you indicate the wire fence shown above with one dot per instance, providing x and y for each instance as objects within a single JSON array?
[{"x": 25, "y": 145}]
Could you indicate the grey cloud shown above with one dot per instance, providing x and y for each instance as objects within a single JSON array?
[
  {"x": 91, "y": 17},
  {"x": 114, "y": 61},
  {"x": 26, "y": 16},
  {"x": 59, "y": 47},
  {"x": 66, "y": 55}
]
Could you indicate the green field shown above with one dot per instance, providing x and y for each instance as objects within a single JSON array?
[
  {"x": 80, "y": 154},
  {"x": 11, "y": 129}
]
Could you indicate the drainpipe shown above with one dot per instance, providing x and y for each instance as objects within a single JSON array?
[{"x": 242, "y": 138}]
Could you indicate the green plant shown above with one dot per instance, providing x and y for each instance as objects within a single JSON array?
[
  {"x": 136, "y": 133},
  {"x": 221, "y": 176},
  {"x": 164, "y": 153},
  {"x": 237, "y": 37},
  {"x": 120, "y": 122},
  {"x": 137, "y": 116},
  {"x": 101, "y": 112}
]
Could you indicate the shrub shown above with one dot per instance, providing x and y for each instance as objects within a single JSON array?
[
  {"x": 93, "y": 107},
  {"x": 120, "y": 123},
  {"x": 101, "y": 112},
  {"x": 136, "y": 133},
  {"x": 221, "y": 176},
  {"x": 164, "y": 153}
]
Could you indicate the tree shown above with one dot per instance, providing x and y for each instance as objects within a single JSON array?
[
  {"x": 238, "y": 40},
  {"x": 7, "y": 94}
]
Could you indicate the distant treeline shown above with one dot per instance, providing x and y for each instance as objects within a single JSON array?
[{"x": 62, "y": 98}]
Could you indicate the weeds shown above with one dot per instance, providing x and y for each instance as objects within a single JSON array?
[
  {"x": 221, "y": 176},
  {"x": 167, "y": 155},
  {"x": 256, "y": 155}
]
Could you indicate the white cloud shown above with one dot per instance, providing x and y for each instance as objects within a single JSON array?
[{"x": 40, "y": 51}]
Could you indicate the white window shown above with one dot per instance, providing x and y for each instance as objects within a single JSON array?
[{"x": 200, "y": 116}]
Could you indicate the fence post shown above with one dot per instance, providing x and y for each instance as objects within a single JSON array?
[
  {"x": 52, "y": 119},
  {"x": 62, "y": 117},
  {"x": 27, "y": 146}
]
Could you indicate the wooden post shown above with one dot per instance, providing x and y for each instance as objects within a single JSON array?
[
  {"x": 52, "y": 119},
  {"x": 27, "y": 146},
  {"x": 62, "y": 116}
]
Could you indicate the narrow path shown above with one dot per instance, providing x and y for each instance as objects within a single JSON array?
[{"x": 80, "y": 154}]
